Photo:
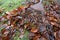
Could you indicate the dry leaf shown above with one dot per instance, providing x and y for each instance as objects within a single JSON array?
[{"x": 34, "y": 30}]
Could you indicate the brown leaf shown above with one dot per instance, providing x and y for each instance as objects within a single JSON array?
[
  {"x": 34, "y": 30},
  {"x": 53, "y": 19}
]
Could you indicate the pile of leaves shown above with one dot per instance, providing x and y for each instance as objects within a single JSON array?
[{"x": 24, "y": 23}]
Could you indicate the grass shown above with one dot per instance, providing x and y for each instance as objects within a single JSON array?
[{"x": 9, "y": 5}]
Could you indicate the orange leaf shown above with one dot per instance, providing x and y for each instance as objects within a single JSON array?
[{"x": 34, "y": 30}]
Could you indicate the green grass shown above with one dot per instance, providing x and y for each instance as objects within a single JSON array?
[
  {"x": 9, "y": 5},
  {"x": 25, "y": 37}
]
